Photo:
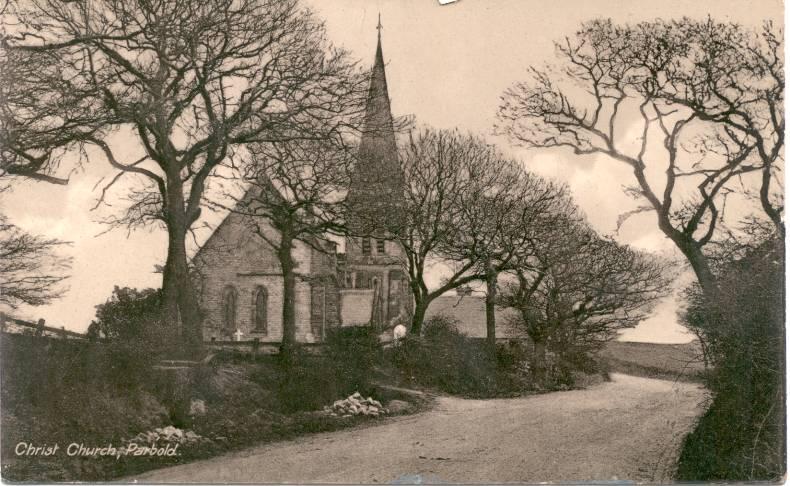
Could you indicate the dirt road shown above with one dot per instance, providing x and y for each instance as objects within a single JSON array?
[{"x": 628, "y": 429}]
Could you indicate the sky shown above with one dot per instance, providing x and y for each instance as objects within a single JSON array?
[{"x": 446, "y": 67}]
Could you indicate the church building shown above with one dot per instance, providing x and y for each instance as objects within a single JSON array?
[{"x": 241, "y": 282}]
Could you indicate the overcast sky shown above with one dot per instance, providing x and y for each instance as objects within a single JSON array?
[{"x": 446, "y": 66}]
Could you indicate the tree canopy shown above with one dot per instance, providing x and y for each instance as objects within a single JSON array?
[
  {"x": 707, "y": 99},
  {"x": 191, "y": 83}
]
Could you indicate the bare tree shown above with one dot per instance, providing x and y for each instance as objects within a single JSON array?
[
  {"x": 191, "y": 81},
  {"x": 31, "y": 271},
  {"x": 709, "y": 93},
  {"x": 298, "y": 188},
  {"x": 578, "y": 290},
  {"x": 468, "y": 208},
  {"x": 501, "y": 214},
  {"x": 436, "y": 172},
  {"x": 431, "y": 163},
  {"x": 734, "y": 77}
]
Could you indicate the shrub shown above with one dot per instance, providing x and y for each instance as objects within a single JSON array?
[
  {"x": 128, "y": 314},
  {"x": 514, "y": 375},
  {"x": 512, "y": 355},
  {"x": 741, "y": 437},
  {"x": 353, "y": 353},
  {"x": 446, "y": 359},
  {"x": 135, "y": 335},
  {"x": 305, "y": 382},
  {"x": 309, "y": 382},
  {"x": 59, "y": 391},
  {"x": 580, "y": 361}
]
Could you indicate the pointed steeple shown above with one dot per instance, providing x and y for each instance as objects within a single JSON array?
[
  {"x": 378, "y": 114},
  {"x": 375, "y": 196}
]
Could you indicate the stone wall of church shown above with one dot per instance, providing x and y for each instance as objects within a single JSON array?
[
  {"x": 367, "y": 267},
  {"x": 367, "y": 252},
  {"x": 324, "y": 309},
  {"x": 356, "y": 306},
  {"x": 235, "y": 261}
]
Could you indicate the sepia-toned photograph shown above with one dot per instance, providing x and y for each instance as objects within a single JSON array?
[{"x": 392, "y": 241}]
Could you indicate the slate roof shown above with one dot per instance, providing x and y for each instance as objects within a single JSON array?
[{"x": 376, "y": 192}]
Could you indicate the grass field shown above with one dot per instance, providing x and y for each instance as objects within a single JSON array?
[{"x": 666, "y": 361}]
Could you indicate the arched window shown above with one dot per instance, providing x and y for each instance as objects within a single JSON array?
[
  {"x": 260, "y": 304},
  {"x": 229, "y": 298}
]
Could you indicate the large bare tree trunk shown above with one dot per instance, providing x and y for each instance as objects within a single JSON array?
[
  {"x": 169, "y": 292},
  {"x": 420, "y": 307},
  {"x": 684, "y": 241},
  {"x": 179, "y": 304},
  {"x": 700, "y": 265},
  {"x": 289, "y": 294}
]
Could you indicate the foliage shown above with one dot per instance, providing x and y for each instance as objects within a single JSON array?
[
  {"x": 131, "y": 321},
  {"x": 300, "y": 381},
  {"x": 353, "y": 352},
  {"x": 135, "y": 336},
  {"x": 128, "y": 313},
  {"x": 69, "y": 393},
  {"x": 742, "y": 435},
  {"x": 66, "y": 395},
  {"x": 309, "y": 382},
  {"x": 31, "y": 271},
  {"x": 446, "y": 359}
]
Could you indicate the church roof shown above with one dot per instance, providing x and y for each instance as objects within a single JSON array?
[
  {"x": 378, "y": 112},
  {"x": 377, "y": 182}
]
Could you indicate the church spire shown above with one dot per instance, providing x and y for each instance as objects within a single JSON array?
[
  {"x": 378, "y": 114},
  {"x": 375, "y": 196}
]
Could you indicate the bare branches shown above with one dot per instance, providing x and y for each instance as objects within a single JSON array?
[
  {"x": 195, "y": 82},
  {"x": 579, "y": 289},
  {"x": 298, "y": 187},
  {"x": 702, "y": 89},
  {"x": 191, "y": 79},
  {"x": 436, "y": 186},
  {"x": 31, "y": 271},
  {"x": 45, "y": 115},
  {"x": 470, "y": 208}
]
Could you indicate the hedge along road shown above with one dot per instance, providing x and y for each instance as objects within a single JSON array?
[{"x": 627, "y": 429}]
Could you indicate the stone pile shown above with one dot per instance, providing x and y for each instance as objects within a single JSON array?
[
  {"x": 356, "y": 404},
  {"x": 167, "y": 434}
]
